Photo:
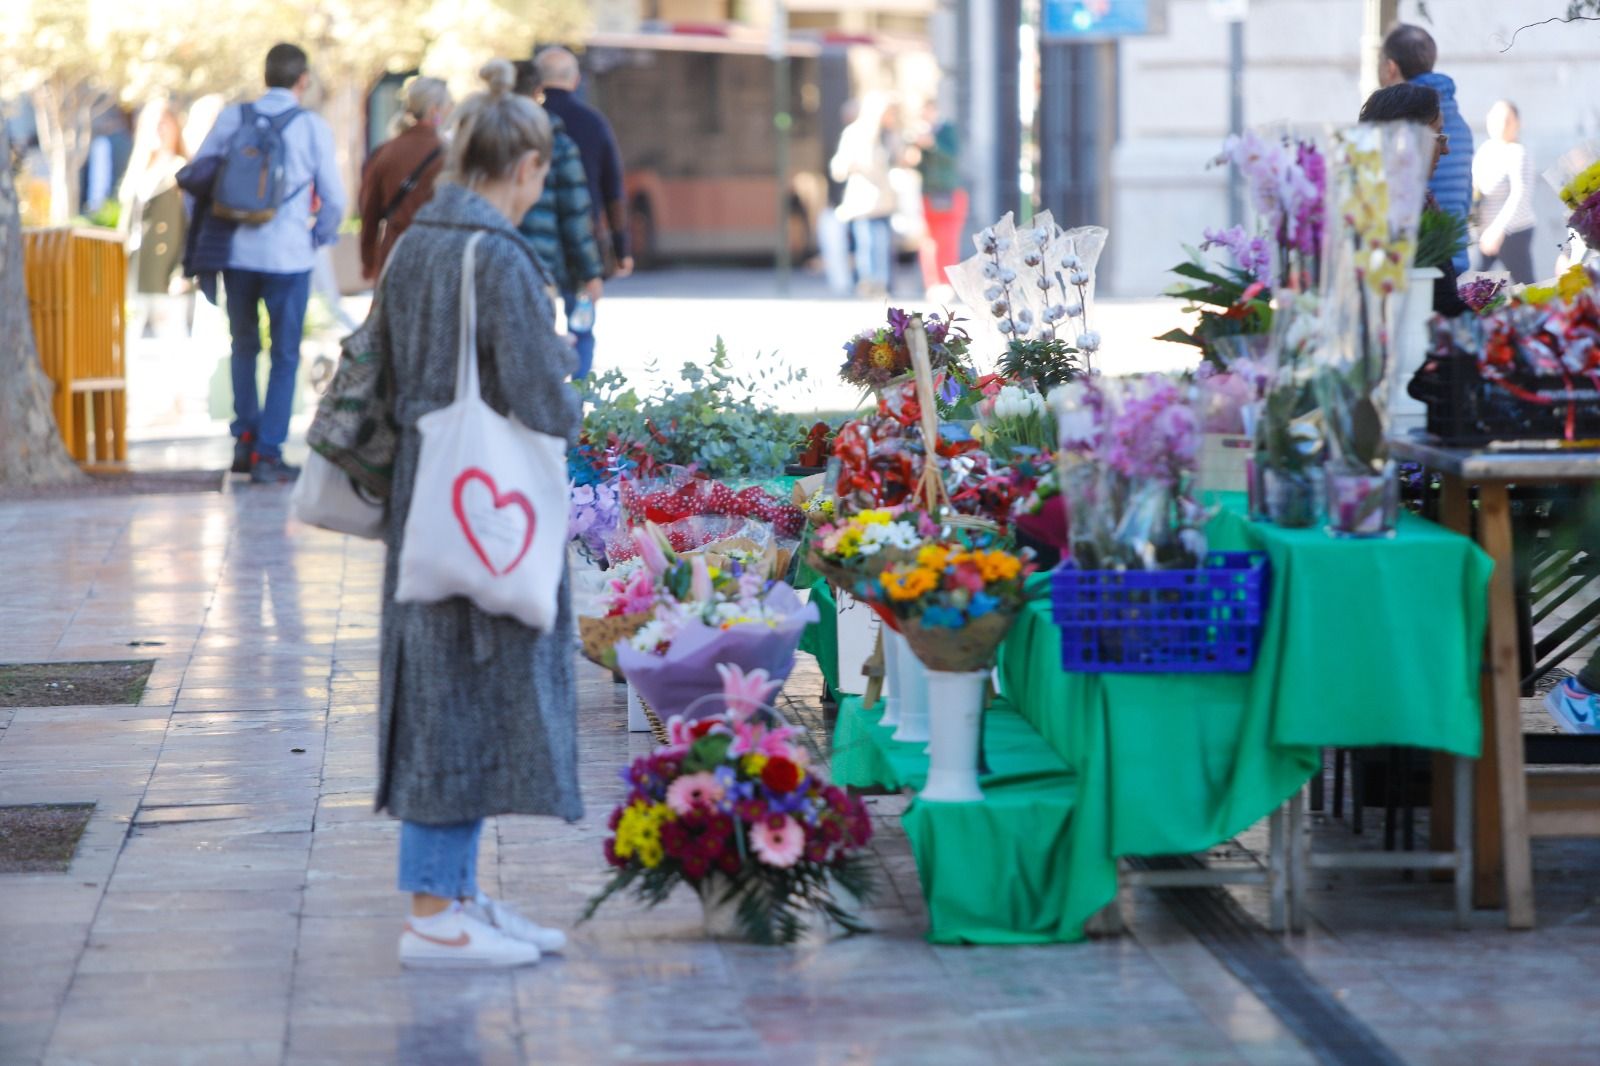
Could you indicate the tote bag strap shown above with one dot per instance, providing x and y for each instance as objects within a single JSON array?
[{"x": 467, "y": 354}]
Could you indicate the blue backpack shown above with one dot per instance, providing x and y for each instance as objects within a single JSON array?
[{"x": 249, "y": 184}]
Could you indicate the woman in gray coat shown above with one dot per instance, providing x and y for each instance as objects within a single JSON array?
[{"x": 477, "y": 712}]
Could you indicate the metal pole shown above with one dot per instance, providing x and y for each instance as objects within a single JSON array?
[
  {"x": 1235, "y": 116},
  {"x": 782, "y": 121},
  {"x": 1377, "y": 17}
]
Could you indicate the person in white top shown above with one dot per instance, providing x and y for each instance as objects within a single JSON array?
[
  {"x": 1502, "y": 179},
  {"x": 869, "y": 148}
]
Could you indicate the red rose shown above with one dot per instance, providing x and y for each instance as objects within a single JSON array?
[
  {"x": 702, "y": 727},
  {"x": 781, "y": 775}
]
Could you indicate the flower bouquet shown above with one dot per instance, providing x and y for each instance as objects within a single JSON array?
[
  {"x": 1377, "y": 190},
  {"x": 879, "y": 357},
  {"x": 733, "y": 808},
  {"x": 693, "y": 512},
  {"x": 706, "y": 616},
  {"x": 1576, "y": 179},
  {"x": 594, "y": 511},
  {"x": 629, "y": 601}
]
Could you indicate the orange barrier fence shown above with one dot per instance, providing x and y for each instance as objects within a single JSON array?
[{"x": 77, "y": 286}]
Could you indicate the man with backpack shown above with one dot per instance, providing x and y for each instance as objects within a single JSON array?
[{"x": 267, "y": 162}]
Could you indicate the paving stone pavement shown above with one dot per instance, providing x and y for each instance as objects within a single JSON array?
[{"x": 233, "y": 899}]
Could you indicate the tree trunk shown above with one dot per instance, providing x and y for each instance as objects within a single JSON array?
[
  {"x": 65, "y": 114},
  {"x": 31, "y": 451}
]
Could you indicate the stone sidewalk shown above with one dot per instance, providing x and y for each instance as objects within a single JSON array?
[{"x": 233, "y": 902}]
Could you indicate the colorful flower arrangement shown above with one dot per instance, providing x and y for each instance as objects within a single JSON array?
[
  {"x": 954, "y": 602},
  {"x": 594, "y": 511},
  {"x": 1483, "y": 295},
  {"x": 706, "y": 612},
  {"x": 1287, "y": 178},
  {"x": 1573, "y": 282},
  {"x": 693, "y": 512},
  {"x": 876, "y": 357},
  {"x": 734, "y": 807},
  {"x": 1014, "y": 420}
]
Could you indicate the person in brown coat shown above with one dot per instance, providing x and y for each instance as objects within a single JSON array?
[{"x": 398, "y": 178}]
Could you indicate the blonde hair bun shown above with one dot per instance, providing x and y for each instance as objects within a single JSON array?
[{"x": 498, "y": 75}]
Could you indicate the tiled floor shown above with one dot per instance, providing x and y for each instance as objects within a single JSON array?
[{"x": 233, "y": 899}]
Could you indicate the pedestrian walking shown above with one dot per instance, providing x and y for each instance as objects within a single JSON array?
[
  {"x": 152, "y": 219},
  {"x": 1409, "y": 55},
  {"x": 265, "y": 158},
  {"x": 560, "y": 227},
  {"x": 944, "y": 201},
  {"x": 399, "y": 177},
  {"x": 477, "y": 712},
  {"x": 868, "y": 149},
  {"x": 1502, "y": 178},
  {"x": 559, "y": 77}
]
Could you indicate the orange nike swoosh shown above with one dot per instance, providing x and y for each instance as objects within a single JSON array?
[{"x": 460, "y": 940}]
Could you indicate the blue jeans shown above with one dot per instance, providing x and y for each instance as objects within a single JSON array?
[
  {"x": 569, "y": 302},
  {"x": 440, "y": 860},
  {"x": 285, "y": 296},
  {"x": 873, "y": 237}
]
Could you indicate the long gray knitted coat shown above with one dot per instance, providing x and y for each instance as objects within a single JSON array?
[{"x": 478, "y": 713}]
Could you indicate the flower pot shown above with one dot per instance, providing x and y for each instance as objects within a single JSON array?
[
  {"x": 893, "y": 650},
  {"x": 912, "y": 684},
  {"x": 858, "y": 635},
  {"x": 955, "y": 711},
  {"x": 1294, "y": 498},
  {"x": 1411, "y": 351},
  {"x": 1362, "y": 503},
  {"x": 721, "y": 914}
]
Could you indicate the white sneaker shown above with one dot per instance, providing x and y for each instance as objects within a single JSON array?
[
  {"x": 508, "y": 920},
  {"x": 454, "y": 938}
]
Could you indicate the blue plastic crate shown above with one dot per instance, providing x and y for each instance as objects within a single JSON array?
[{"x": 1163, "y": 621}]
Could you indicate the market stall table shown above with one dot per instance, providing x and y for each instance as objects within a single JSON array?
[
  {"x": 1367, "y": 643},
  {"x": 1511, "y": 807}
]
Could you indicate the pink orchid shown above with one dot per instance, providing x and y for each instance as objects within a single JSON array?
[
  {"x": 755, "y": 738},
  {"x": 743, "y": 692}
]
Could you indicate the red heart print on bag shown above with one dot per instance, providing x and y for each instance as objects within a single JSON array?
[{"x": 493, "y": 528}]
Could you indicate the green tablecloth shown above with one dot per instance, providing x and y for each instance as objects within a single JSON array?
[
  {"x": 1366, "y": 643},
  {"x": 821, "y": 638},
  {"x": 996, "y": 872}
]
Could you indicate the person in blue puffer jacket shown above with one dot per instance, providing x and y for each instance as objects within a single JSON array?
[{"x": 1409, "y": 54}]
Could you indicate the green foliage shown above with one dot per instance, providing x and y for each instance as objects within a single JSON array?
[
  {"x": 1047, "y": 363},
  {"x": 1218, "y": 297},
  {"x": 717, "y": 419},
  {"x": 1440, "y": 235}
]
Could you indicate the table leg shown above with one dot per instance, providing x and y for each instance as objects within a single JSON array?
[
  {"x": 1461, "y": 776},
  {"x": 1502, "y": 732},
  {"x": 1442, "y": 808},
  {"x": 1488, "y": 871}
]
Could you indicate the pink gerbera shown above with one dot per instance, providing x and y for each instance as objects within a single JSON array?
[
  {"x": 778, "y": 841},
  {"x": 694, "y": 792}
]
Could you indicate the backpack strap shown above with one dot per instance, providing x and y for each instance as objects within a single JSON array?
[{"x": 409, "y": 184}]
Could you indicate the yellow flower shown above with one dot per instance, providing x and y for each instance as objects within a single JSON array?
[
  {"x": 908, "y": 585},
  {"x": 1582, "y": 187},
  {"x": 651, "y": 854},
  {"x": 997, "y": 565},
  {"x": 754, "y": 763},
  {"x": 1570, "y": 284},
  {"x": 877, "y": 517},
  {"x": 849, "y": 542},
  {"x": 933, "y": 556},
  {"x": 1538, "y": 295},
  {"x": 882, "y": 356}
]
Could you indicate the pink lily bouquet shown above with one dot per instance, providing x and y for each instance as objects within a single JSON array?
[
  {"x": 706, "y": 614},
  {"x": 734, "y": 808}
]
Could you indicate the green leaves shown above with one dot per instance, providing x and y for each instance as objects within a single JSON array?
[
  {"x": 1440, "y": 235},
  {"x": 707, "y": 753}
]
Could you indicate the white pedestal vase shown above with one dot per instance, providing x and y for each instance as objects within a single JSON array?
[
  {"x": 894, "y": 651},
  {"x": 858, "y": 635},
  {"x": 1411, "y": 350},
  {"x": 955, "y": 711},
  {"x": 637, "y": 722},
  {"x": 912, "y": 684}
]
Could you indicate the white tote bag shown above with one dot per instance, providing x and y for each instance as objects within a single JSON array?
[
  {"x": 488, "y": 516},
  {"x": 325, "y": 497}
]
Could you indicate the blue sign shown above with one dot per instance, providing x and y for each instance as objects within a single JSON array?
[{"x": 1095, "y": 18}]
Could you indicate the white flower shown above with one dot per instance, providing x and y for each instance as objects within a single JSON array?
[
  {"x": 1071, "y": 262},
  {"x": 999, "y": 308},
  {"x": 1002, "y": 244},
  {"x": 1074, "y": 309},
  {"x": 1030, "y": 258},
  {"x": 988, "y": 241},
  {"x": 1004, "y": 325},
  {"x": 1043, "y": 282},
  {"x": 1008, "y": 275},
  {"x": 1079, "y": 278},
  {"x": 1055, "y": 313},
  {"x": 1025, "y": 319},
  {"x": 994, "y": 292},
  {"x": 652, "y": 633},
  {"x": 1041, "y": 235},
  {"x": 991, "y": 270},
  {"x": 1089, "y": 341}
]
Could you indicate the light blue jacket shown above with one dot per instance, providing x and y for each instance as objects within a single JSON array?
[
  {"x": 1451, "y": 184},
  {"x": 288, "y": 244}
]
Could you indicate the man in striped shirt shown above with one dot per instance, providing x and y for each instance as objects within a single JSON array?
[{"x": 1502, "y": 176}]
